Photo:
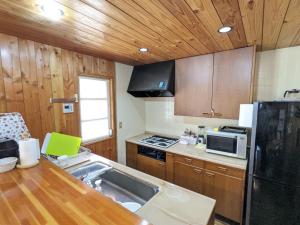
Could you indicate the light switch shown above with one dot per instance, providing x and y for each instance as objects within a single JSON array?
[
  {"x": 120, "y": 125},
  {"x": 68, "y": 107}
]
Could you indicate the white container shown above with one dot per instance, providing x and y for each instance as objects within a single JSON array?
[
  {"x": 29, "y": 151},
  {"x": 7, "y": 164}
]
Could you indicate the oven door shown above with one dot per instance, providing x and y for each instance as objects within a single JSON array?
[{"x": 224, "y": 145}]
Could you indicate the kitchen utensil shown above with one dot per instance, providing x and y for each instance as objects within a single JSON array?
[
  {"x": 61, "y": 144},
  {"x": 7, "y": 164}
]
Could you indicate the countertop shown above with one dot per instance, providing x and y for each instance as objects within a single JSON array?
[
  {"x": 192, "y": 151},
  {"x": 46, "y": 194},
  {"x": 172, "y": 205}
]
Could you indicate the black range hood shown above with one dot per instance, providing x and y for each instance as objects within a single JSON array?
[{"x": 153, "y": 80}]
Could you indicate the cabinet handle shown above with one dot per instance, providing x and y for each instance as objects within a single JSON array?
[
  {"x": 209, "y": 174},
  {"x": 197, "y": 171},
  {"x": 188, "y": 160},
  {"x": 161, "y": 164},
  {"x": 222, "y": 168},
  {"x": 206, "y": 114},
  {"x": 217, "y": 114}
]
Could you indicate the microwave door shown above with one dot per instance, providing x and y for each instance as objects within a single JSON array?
[{"x": 227, "y": 145}]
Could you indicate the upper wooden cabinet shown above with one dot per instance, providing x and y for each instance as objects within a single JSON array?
[
  {"x": 214, "y": 85},
  {"x": 193, "y": 85},
  {"x": 232, "y": 81}
]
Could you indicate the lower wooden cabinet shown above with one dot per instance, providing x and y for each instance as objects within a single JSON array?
[
  {"x": 223, "y": 183},
  {"x": 151, "y": 166},
  {"x": 188, "y": 176},
  {"x": 131, "y": 154}
]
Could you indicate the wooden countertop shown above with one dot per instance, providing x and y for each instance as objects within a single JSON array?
[{"x": 46, "y": 194}]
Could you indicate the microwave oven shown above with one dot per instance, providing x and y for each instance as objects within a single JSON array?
[{"x": 227, "y": 143}]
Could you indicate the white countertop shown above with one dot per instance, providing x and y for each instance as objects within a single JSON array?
[
  {"x": 172, "y": 205},
  {"x": 192, "y": 151}
]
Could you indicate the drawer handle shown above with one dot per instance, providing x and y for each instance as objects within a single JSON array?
[
  {"x": 197, "y": 171},
  {"x": 206, "y": 114},
  {"x": 188, "y": 160},
  {"x": 209, "y": 174},
  {"x": 222, "y": 168},
  {"x": 217, "y": 114},
  {"x": 161, "y": 164}
]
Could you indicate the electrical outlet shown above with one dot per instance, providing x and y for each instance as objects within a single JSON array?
[{"x": 120, "y": 125}]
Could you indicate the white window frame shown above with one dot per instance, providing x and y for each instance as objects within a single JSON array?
[{"x": 100, "y": 138}]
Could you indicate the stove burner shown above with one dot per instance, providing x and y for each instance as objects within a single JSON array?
[{"x": 162, "y": 142}]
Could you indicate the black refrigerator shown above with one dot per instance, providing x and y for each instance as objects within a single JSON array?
[{"x": 273, "y": 193}]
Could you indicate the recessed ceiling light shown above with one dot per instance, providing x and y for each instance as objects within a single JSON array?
[
  {"x": 225, "y": 29},
  {"x": 143, "y": 49},
  {"x": 52, "y": 10}
]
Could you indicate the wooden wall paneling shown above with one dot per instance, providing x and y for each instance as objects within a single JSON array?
[
  {"x": 274, "y": 13},
  {"x": 185, "y": 15},
  {"x": 111, "y": 14},
  {"x": 291, "y": 26},
  {"x": 45, "y": 87},
  {"x": 129, "y": 6},
  {"x": 206, "y": 13},
  {"x": 26, "y": 11},
  {"x": 57, "y": 88},
  {"x": 252, "y": 14},
  {"x": 230, "y": 15},
  {"x": 30, "y": 87},
  {"x": 2, "y": 90},
  {"x": 69, "y": 80},
  {"x": 12, "y": 74}
]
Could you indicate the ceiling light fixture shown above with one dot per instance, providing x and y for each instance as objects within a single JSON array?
[
  {"x": 143, "y": 49},
  {"x": 225, "y": 29},
  {"x": 52, "y": 10}
]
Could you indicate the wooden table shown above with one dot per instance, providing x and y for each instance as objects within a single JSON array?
[{"x": 46, "y": 194}]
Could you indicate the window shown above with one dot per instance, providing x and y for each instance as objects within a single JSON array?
[{"x": 94, "y": 101}]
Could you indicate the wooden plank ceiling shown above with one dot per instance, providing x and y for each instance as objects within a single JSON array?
[{"x": 170, "y": 29}]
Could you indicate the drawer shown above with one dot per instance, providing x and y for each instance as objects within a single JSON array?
[
  {"x": 189, "y": 161},
  {"x": 219, "y": 168}
]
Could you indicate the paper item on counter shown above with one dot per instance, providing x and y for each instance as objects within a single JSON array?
[
  {"x": 29, "y": 151},
  {"x": 62, "y": 144}
]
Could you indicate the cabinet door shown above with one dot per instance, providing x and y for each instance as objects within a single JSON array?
[
  {"x": 193, "y": 86},
  {"x": 228, "y": 192},
  {"x": 170, "y": 167},
  {"x": 187, "y": 176},
  {"x": 151, "y": 166},
  {"x": 232, "y": 81},
  {"x": 131, "y": 153}
]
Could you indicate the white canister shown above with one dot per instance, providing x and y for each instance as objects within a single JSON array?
[{"x": 29, "y": 151}]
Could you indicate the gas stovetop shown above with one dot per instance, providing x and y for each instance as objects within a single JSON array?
[{"x": 162, "y": 142}]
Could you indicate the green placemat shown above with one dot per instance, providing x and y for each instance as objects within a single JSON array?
[{"x": 61, "y": 144}]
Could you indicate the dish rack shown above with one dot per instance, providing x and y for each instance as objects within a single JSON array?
[{"x": 68, "y": 161}]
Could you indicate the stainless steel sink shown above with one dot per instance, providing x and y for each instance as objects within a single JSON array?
[
  {"x": 121, "y": 187},
  {"x": 89, "y": 171}
]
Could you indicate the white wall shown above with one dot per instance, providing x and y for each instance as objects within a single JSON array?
[
  {"x": 130, "y": 110},
  {"x": 160, "y": 118},
  {"x": 276, "y": 71}
]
